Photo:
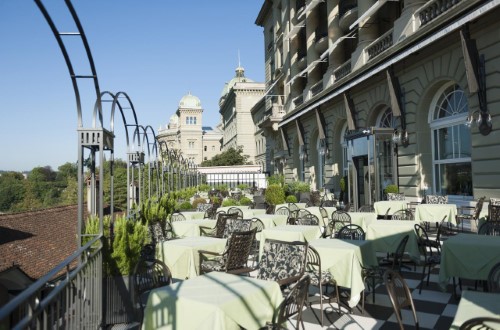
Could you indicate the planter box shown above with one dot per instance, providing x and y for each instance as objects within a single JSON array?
[{"x": 117, "y": 297}]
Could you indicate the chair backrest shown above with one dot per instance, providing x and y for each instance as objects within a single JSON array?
[
  {"x": 478, "y": 208},
  {"x": 490, "y": 228},
  {"x": 481, "y": 323},
  {"x": 294, "y": 303},
  {"x": 302, "y": 213},
  {"x": 236, "y": 210},
  {"x": 282, "y": 261},
  {"x": 239, "y": 248},
  {"x": 351, "y": 231},
  {"x": 333, "y": 228},
  {"x": 436, "y": 199},
  {"x": 403, "y": 215},
  {"x": 399, "y": 253},
  {"x": 176, "y": 216},
  {"x": 293, "y": 207},
  {"x": 341, "y": 216},
  {"x": 366, "y": 208},
  {"x": 328, "y": 203},
  {"x": 395, "y": 196},
  {"x": 494, "y": 279},
  {"x": 234, "y": 224},
  {"x": 220, "y": 225},
  {"x": 308, "y": 220},
  {"x": 257, "y": 224},
  {"x": 323, "y": 212},
  {"x": 149, "y": 274},
  {"x": 283, "y": 210},
  {"x": 202, "y": 207},
  {"x": 494, "y": 212},
  {"x": 400, "y": 295},
  {"x": 423, "y": 241}
]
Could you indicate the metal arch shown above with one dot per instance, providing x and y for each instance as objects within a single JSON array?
[
  {"x": 58, "y": 35},
  {"x": 130, "y": 106}
]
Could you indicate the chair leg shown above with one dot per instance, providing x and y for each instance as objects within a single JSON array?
[{"x": 422, "y": 280}]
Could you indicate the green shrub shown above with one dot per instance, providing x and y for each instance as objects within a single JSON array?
[
  {"x": 204, "y": 187},
  {"x": 276, "y": 179},
  {"x": 243, "y": 186},
  {"x": 274, "y": 194},
  {"x": 392, "y": 188},
  {"x": 229, "y": 202},
  {"x": 223, "y": 188},
  {"x": 215, "y": 200},
  {"x": 291, "y": 199},
  {"x": 297, "y": 187},
  {"x": 198, "y": 201},
  {"x": 245, "y": 201},
  {"x": 186, "y": 205}
]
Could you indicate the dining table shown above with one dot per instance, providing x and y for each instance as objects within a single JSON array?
[
  {"x": 272, "y": 220},
  {"x": 195, "y": 215},
  {"x": 389, "y": 207},
  {"x": 190, "y": 228},
  {"x": 387, "y": 234},
  {"x": 216, "y": 300},
  {"x": 363, "y": 219},
  {"x": 469, "y": 256},
  {"x": 475, "y": 304},
  {"x": 290, "y": 233},
  {"x": 316, "y": 211},
  {"x": 436, "y": 213},
  {"x": 345, "y": 259},
  {"x": 181, "y": 255}
]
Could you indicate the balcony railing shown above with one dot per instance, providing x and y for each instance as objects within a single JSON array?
[
  {"x": 73, "y": 302},
  {"x": 316, "y": 88},
  {"x": 434, "y": 9},
  {"x": 298, "y": 100},
  {"x": 278, "y": 111},
  {"x": 377, "y": 47},
  {"x": 343, "y": 70}
]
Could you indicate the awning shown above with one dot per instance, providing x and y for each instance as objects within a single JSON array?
[
  {"x": 367, "y": 14},
  {"x": 302, "y": 73},
  {"x": 273, "y": 84},
  {"x": 310, "y": 6},
  {"x": 394, "y": 94},
  {"x": 319, "y": 123},
  {"x": 294, "y": 30},
  {"x": 299, "y": 133},
  {"x": 336, "y": 43},
  {"x": 349, "y": 111},
  {"x": 469, "y": 51},
  {"x": 284, "y": 140}
]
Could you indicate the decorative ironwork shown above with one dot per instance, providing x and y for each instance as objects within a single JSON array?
[
  {"x": 380, "y": 45},
  {"x": 343, "y": 70},
  {"x": 434, "y": 9}
]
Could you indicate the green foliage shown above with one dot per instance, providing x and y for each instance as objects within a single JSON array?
[
  {"x": 228, "y": 158},
  {"x": 342, "y": 184},
  {"x": 215, "y": 200},
  {"x": 12, "y": 190},
  {"x": 229, "y": 202},
  {"x": 291, "y": 199},
  {"x": 276, "y": 179},
  {"x": 275, "y": 194},
  {"x": 223, "y": 187},
  {"x": 121, "y": 255},
  {"x": 296, "y": 187},
  {"x": 198, "y": 201},
  {"x": 243, "y": 186},
  {"x": 204, "y": 187},
  {"x": 392, "y": 188},
  {"x": 245, "y": 201},
  {"x": 186, "y": 205}
]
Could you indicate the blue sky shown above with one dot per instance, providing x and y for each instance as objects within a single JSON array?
[{"x": 156, "y": 51}]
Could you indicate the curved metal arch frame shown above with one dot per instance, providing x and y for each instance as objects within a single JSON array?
[{"x": 152, "y": 162}]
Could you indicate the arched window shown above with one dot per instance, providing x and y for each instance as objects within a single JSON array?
[{"x": 451, "y": 142}]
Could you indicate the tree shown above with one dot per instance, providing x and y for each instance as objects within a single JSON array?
[
  {"x": 11, "y": 190},
  {"x": 228, "y": 158}
]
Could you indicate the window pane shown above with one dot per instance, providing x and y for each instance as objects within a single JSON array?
[
  {"x": 456, "y": 179},
  {"x": 465, "y": 141}
]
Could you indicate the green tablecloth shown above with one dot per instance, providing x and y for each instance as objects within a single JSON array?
[
  {"x": 193, "y": 215},
  {"x": 343, "y": 259},
  {"x": 435, "y": 212},
  {"x": 190, "y": 228},
  {"x": 213, "y": 301},
  {"x": 290, "y": 233},
  {"x": 382, "y": 206},
  {"x": 477, "y": 304},
  {"x": 181, "y": 255},
  {"x": 468, "y": 256},
  {"x": 363, "y": 219},
  {"x": 387, "y": 234}
]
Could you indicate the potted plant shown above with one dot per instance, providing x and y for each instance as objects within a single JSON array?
[
  {"x": 122, "y": 243},
  {"x": 274, "y": 195}
]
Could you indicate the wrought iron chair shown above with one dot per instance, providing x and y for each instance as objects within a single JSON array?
[
  {"x": 236, "y": 210},
  {"x": 220, "y": 226},
  {"x": 431, "y": 258},
  {"x": 395, "y": 196},
  {"x": 400, "y": 296},
  {"x": 149, "y": 274},
  {"x": 352, "y": 232},
  {"x": 293, "y": 304},
  {"x": 339, "y": 220},
  {"x": 302, "y": 213},
  {"x": 308, "y": 220},
  {"x": 319, "y": 278},
  {"x": 324, "y": 213},
  {"x": 283, "y": 262},
  {"x": 234, "y": 225},
  {"x": 177, "y": 216},
  {"x": 235, "y": 257},
  {"x": 258, "y": 225},
  {"x": 403, "y": 215},
  {"x": 366, "y": 208},
  {"x": 328, "y": 203},
  {"x": 283, "y": 210},
  {"x": 436, "y": 199},
  {"x": 481, "y": 323},
  {"x": 494, "y": 212},
  {"x": 494, "y": 279},
  {"x": 471, "y": 214},
  {"x": 490, "y": 228}
]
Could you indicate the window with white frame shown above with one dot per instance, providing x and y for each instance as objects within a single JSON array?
[{"x": 451, "y": 142}]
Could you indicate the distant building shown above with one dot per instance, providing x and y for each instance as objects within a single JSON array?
[
  {"x": 185, "y": 132},
  {"x": 238, "y": 97}
]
